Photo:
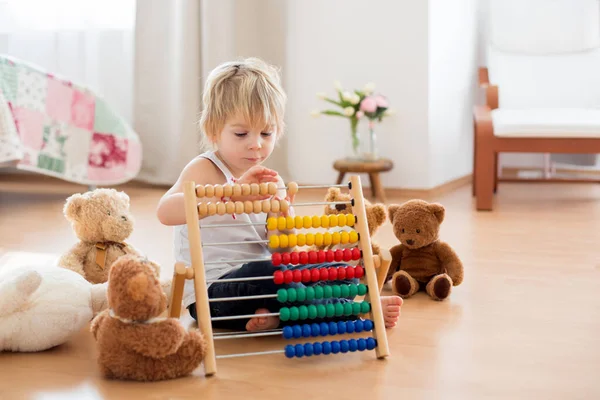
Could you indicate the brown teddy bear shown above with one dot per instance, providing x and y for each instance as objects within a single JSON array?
[
  {"x": 422, "y": 261},
  {"x": 102, "y": 221},
  {"x": 134, "y": 343},
  {"x": 376, "y": 213}
]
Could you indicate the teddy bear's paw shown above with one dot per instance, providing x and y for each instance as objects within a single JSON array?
[
  {"x": 404, "y": 285},
  {"x": 439, "y": 287}
]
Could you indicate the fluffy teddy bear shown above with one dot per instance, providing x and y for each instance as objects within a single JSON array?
[
  {"x": 422, "y": 261},
  {"x": 42, "y": 306},
  {"x": 134, "y": 342},
  {"x": 376, "y": 213},
  {"x": 102, "y": 221}
]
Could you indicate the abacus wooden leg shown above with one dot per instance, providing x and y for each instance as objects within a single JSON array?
[
  {"x": 200, "y": 287},
  {"x": 386, "y": 260},
  {"x": 382, "y": 350},
  {"x": 177, "y": 290}
]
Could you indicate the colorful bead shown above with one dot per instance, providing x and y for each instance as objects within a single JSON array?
[
  {"x": 359, "y": 325},
  {"x": 349, "y": 273},
  {"x": 352, "y": 344},
  {"x": 350, "y": 219},
  {"x": 288, "y": 332},
  {"x": 321, "y": 257},
  {"x": 302, "y": 312},
  {"x": 327, "y": 291},
  {"x": 353, "y": 237},
  {"x": 299, "y": 350},
  {"x": 281, "y": 223},
  {"x": 288, "y": 277},
  {"x": 310, "y": 239},
  {"x": 333, "y": 328},
  {"x": 327, "y": 348},
  {"x": 347, "y": 255},
  {"x": 282, "y": 295},
  {"x": 283, "y": 241},
  {"x": 303, "y": 257},
  {"x": 319, "y": 239},
  {"x": 333, "y": 220},
  {"x": 335, "y": 238},
  {"x": 335, "y": 347},
  {"x": 330, "y": 310},
  {"x": 306, "y": 331},
  {"x": 327, "y": 239},
  {"x": 312, "y": 257},
  {"x": 341, "y": 327},
  {"x": 291, "y": 293},
  {"x": 314, "y": 329},
  {"x": 289, "y": 222},
  {"x": 297, "y": 329},
  {"x": 324, "y": 328},
  {"x": 301, "y": 238},
  {"x": 292, "y": 240},
  {"x": 321, "y": 311},
  {"x": 352, "y": 291},
  {"x": 306, "y": 276},
  {"x": 307, "y": 222},
  {"x": 285, "y": 258},
  {"x": 359, "y": 272},
  {"x": 294, "y": 313},
  {"x": 339, "y": 255},
  {"x": 324, "y": 274},
  {"x": 339, "y": 309},
  {"x": 365, "y": 307},
  {"x": 350, "y": 327},
  {"x": 324, "y": 221},
  {"x": 310, "y": 293},
  {"x": 362, "y": 344},
  {"x": 278, "y": 277},
  {"x": 336, "y": 291},
  {"x": 341, "y": 273},
  {"x": 312, "y": 311},
  {"x": 362, "y": 289},
  {"x": 315, "y": 275},
  {"x": 316, "y": 221},
  {"x": 344, "y": 346},
  {"x": 274, "y": 241},
  {"x": 344, "y": 291},
  {"x": 308, "y": 349},
  {"x": 298, "y": 222},
  {"x": 371, "y": 343},
  {"x": 329, "y": 256},
  {"x": 289, "y": 351},
  {"x": 355, "y": 252},
  {"x": 284, "y": 314},
  {"x": 355, "y": 308},
  {"x": 294, "y": 259},
  {"x": 276, "y": 259},
  {"x": 297, "y": 275},
  {"x": 318, "y": 292},
  {"x": 368, "y": 325},
  {"x": 300, "y": 294},
  {"x": 332, "y": 273},
  {"x": 317, "y": 349},
  {"x": 341, "y": 219}
]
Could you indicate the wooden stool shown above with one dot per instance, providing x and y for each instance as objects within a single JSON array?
[{"x": 373, "y": 168}]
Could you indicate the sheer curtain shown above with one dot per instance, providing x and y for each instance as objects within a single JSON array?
[{"x": 87, "y": 41}]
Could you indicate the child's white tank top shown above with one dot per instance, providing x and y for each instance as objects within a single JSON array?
[{"x": 227, "y": 255}]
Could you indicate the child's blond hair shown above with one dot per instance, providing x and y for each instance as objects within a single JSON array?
[{"x": 250, "y": 89}]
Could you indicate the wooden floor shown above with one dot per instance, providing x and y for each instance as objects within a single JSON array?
[{"x": 524, "y": 324}]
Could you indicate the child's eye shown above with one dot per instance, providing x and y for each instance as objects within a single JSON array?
[
  {"x": 241, "y": 134},
  {"x": 267, "y": 133}
]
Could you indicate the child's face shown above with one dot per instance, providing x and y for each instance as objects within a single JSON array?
[{"x": 244, "y": 147}]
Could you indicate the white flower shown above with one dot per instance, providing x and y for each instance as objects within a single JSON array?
[
  {"x": 315, "y": 113},
  {"x": 349, "y": 111},
  {"x": 355, "y": 98},
  {"x": 369, "y": 88},
  {"x": 321, "y": 95},
  {"x": 337, "y": 85},
  {"x": 389, "y": 111},
  {"x": 347, "y": 96}
]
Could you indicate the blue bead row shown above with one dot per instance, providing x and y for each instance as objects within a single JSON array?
[
  {"x": 327, "y": 328},
  {"x": 333, "y": 347}
]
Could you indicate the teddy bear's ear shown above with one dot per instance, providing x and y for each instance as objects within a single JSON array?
[
  {"x": 332, "y": 194},
  {"x": 138, "y": 286},
  {"x": 392, "y": 210},
  {"x": 438, "y": 210},
  {"x": 124, "y": 198},
  {"x": 73, "y": 206},
  {"x": 378, "y": 211}
]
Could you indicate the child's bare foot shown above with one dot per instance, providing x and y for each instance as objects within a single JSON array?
[
  {"x": 390, "y": 306},
  {"x": 262, "y": 323}
]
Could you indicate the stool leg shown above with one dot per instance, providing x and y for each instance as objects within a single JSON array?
[
  {"x": 377, "y": 188},
  {"x": 340, "y": 177}
]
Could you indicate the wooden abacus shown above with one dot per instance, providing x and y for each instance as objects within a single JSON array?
[{"x": 371, "y": 306}]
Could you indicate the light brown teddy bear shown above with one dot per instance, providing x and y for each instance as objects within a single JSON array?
[
  {"x": 422, "y": 261},
  {"x": 134, "y": 343},
  {"x": 376, "y": 213},
  {"x": 102, "y": 221}
]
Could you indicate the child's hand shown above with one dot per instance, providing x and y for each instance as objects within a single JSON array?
[{"x": 256, "y": 174}]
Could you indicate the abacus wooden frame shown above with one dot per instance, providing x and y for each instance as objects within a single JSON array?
[{"x": 373, "y": 278}]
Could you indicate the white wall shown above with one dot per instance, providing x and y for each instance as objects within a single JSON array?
[
  {"x": 357, "y": 42},
  {"x": 452, "y": 84}
]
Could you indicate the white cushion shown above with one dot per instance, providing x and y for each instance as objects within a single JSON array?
[
  {"x": 547, "y": 123},
  {"x": 544, "y": 26},
  {"x": 558, "y": 81}
]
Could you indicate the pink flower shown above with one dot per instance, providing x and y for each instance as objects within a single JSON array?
[
  {"x": 359, "y": 114},
  {"x": 381, "y": 101},
  {"x": 368, "y": 105}
]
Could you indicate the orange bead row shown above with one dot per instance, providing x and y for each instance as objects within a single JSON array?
[
  {"x": 242, "y": 207},
  {"x": 243, "y": 189}
]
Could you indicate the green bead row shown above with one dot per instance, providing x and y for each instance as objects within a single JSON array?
[
  {"x": 321, "y": 292},
  {"x": 323, "y": 310}
]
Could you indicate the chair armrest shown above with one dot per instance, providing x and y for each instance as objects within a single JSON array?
[
  {"x": 490, "y": 91},
  {"x": 482, "y": 116}
]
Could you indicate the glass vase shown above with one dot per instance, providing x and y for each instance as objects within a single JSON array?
[{"x": 371, "y": 154}]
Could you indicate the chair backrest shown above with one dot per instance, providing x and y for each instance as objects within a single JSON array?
[{"x": 545, "y": 53}]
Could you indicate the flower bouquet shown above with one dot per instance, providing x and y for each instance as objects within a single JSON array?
[{"x": 356, "y": 105}]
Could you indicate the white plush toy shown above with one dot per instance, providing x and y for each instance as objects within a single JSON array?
[{"x": 42, "y": 306}]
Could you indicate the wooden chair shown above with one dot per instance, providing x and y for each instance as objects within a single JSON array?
[{"x": 541, "y": 86}]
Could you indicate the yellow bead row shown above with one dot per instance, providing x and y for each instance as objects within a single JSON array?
[
  {"x": 309, "y": 239},
  {"x": 306, "y": 222}
]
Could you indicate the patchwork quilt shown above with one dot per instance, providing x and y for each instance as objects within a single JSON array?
[{"x": 56, "y": 127}]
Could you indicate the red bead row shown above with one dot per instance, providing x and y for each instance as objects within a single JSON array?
[
  {"x": 313, "y": 257},
  {"x": 318, "y": 274}
]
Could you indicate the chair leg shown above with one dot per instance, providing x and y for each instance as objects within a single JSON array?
[
  {"x": 484, "y": 178},
  {"x": 474, "y": 175},
  {"x": 495, "y": 172},
  {"x": 340, "y": 177}
]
